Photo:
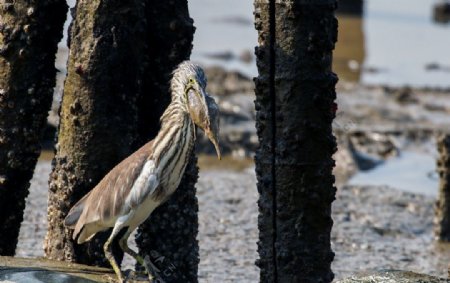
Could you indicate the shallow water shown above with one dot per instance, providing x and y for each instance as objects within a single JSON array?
[
  {"x": 224, "y": 26},
  {"x": 412, "y": 172},
  {"x": 41, "y": 276},
  {"x": 401, "y": 40},
  {"x": 394, "y": 43}
]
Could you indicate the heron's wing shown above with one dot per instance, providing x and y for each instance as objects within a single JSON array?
[
  {"x": 75, "y": 213},
  {"x": 111, "y": 197}
]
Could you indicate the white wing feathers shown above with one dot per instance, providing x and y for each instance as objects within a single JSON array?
[{"x": 145, "y": 185}]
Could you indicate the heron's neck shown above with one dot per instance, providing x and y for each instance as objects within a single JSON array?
[{"x": 176, "y": 137}]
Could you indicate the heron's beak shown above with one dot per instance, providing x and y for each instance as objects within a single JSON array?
[
  {"x": 213, "y": 137},
  {"x": 204, "y": 113},
  {"x": 212, "y": 130}
]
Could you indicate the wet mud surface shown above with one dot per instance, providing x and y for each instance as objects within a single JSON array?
[{"x": 374, "y": 228}]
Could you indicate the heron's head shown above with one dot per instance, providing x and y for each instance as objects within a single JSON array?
[{"x": 190, "y": 79}]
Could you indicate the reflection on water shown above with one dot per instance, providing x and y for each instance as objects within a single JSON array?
[
  {"x": 393, "y": 43},
  {"x": 224, "y": 28},
  {"x": 386, "y": 42},
  {"x": 349, "y": 53},
  {"x": 404, "y": 41},
  {"x": 411, "y": 172}
]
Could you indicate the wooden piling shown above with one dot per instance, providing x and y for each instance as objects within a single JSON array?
[
  {"x": 442, "y": 215},
  {"x": 295, "y": 93},
  {"x": 29, "y": 36}
]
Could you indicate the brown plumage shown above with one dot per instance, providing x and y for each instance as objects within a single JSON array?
[
  {"x": 104, "y": 201},
  {"x": 129, "y": 193}
]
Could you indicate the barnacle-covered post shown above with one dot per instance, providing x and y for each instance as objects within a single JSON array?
[
  {"x": 121, "y": 58},
  {"x": 98, "y": 114},
  {"x": 29, "y": 35},
  {"x": 442, "y": 216},
  {"x": 295, "y": 93},
  {"x": 171, "y": 231}
]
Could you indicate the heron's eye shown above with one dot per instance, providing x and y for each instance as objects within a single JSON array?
[{"x": 191, "y": 81}]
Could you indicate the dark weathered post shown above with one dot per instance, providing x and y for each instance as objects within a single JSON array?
[
  {"x": 171, "y": 230},
  {"x": 442, "y": 217},
  {"x": 295, "y": 108},
  {"x": 351, "y": 7},
  {"x": 120, "y": 64},
  {"x": 29, "y": 35},
  {"x": 98, "y": 114}
]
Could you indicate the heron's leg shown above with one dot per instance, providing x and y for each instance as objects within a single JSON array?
[
  {"x": 112, "y": 260},
  {"x": 108, "y": 252},
  {"x": 149, "y": 268}
]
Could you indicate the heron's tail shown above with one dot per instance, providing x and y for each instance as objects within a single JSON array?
[
  {"x": 75, "y": 212},
  {"x": 85, "y": 232}
]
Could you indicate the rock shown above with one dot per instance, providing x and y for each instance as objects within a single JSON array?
[
  {"x": 372, "y": 70},
  {"x": 405, "y": 95},
  {"x": 361, "y": 151},
  {"x": 246, "y": 56},
  {"x": 235, "y": 97},
  {"x": 432, "y": 66},
  {"x": 392, "y": 276},
  {"x": 222, "y": 82},
  {"x": 238, "y": 140},
  {"x": 237, "y": 127},
  {"x": 441, "y": 12},
  {"x": 436, "y": 67},
  {"x": 363, "y": 160},
  {"x": 237, "y": 20},
  {"x": 225, "y": 56}
]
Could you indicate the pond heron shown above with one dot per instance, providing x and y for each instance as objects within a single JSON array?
[{"x": 129, "y": 193}]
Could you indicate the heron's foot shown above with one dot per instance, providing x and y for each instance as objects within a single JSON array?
[
  {"x": 132, "y": 276},
  {"x": 141, "y": 273},
  {"x": 147, "y": 268},
  {"x": 120, "y": 279},
  {"x": 113, "y": 279},
  {"x": 152, "y": 270},
  {"x": 119, "y": 276}
]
